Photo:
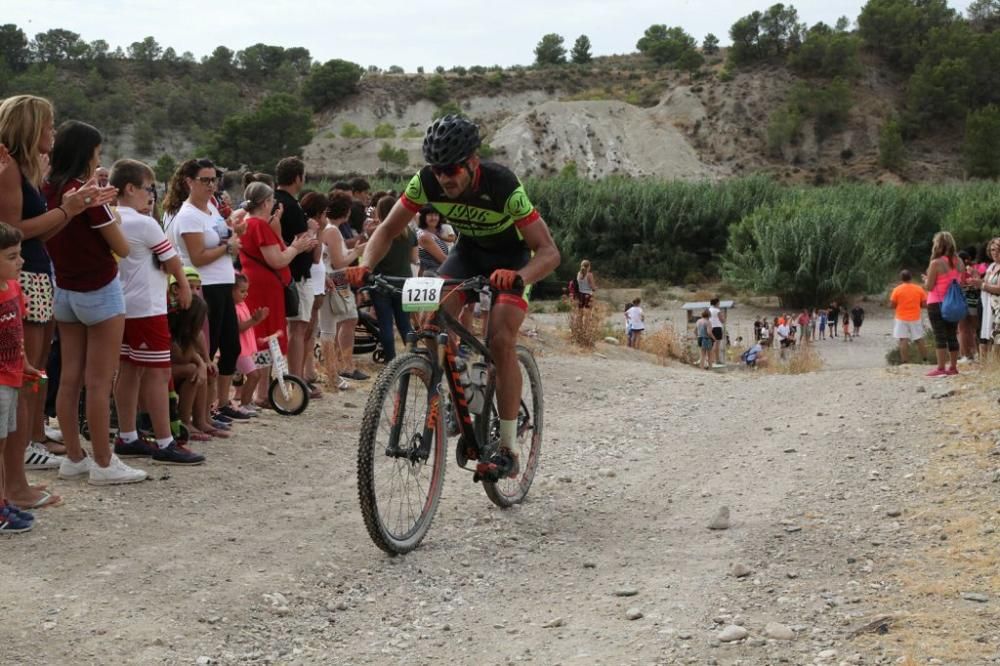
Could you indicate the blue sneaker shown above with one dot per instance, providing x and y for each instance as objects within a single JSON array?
[
  {"x": 177, "y": 454},
  {"x": 140, "y": 448},
  {"x": 17, "y": 512},
  {"x": 11, "y": 524}
]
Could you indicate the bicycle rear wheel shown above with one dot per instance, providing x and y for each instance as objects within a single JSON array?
[
  {"x": 400, "y": 475},
  {"x": 508, "y": 492}
]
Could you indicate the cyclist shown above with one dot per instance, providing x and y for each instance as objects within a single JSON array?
[{"x": 501, "y": 234}]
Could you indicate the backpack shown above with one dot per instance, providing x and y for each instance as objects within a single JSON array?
[{"x": 954, "y": 307}]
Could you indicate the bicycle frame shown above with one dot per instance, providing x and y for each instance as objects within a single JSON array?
[{"x": 439, "y": 329}]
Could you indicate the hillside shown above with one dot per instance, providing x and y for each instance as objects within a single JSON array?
[{"x": 623, "y": 118}]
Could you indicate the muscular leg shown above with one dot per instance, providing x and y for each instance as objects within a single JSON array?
[{"x": 505, "y": 322}]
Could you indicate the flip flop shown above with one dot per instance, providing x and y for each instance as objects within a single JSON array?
[
  {"x": 215, "y": 432},
  {"x": 196, "y": 436},
  {"x": 47, "y": 500}
]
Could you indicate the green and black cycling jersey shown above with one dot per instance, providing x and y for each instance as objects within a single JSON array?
[{"x": 489, "y": 215}]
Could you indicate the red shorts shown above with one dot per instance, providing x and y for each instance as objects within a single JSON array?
[{"x": 146, "y": 342}]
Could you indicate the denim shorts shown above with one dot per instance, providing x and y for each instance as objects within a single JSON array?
[{"x": 89, "y": 307}]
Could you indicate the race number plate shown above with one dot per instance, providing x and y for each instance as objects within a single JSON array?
[{"x": 422, "y": 294}]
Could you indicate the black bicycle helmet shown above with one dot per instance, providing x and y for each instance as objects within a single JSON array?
[{"x": 449, "y": 140}]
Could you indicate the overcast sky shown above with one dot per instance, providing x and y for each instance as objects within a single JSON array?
[{"x": 409, "y": 33}]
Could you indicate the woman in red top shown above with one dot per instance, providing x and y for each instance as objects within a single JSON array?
[
  {"x": 89, "y": 308},
  {"x": 265, "y": 258}
]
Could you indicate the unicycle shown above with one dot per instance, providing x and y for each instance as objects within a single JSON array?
[{"x": 287, "y": 393}]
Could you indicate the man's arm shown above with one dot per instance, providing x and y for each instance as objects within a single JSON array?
[
  {"x": 545, "y": 255},
  {"x": 380, "y": 241}
]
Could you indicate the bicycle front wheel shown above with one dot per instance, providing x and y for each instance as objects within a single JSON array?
[
  {"x": 508, "y": 492},
  {"x": 400, "y": 472}
]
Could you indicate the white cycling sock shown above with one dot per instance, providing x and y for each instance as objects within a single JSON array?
[
  {"x": 508, "y": 433},
  {"x": 165, "y": 442},
  {"x": 129, "y": 436}
]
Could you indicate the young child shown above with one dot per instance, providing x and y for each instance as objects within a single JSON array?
[
  {"x": 636, "y": 321},
  {"x": 145, "y": 349},
  {"x": 822, "y": 324},
  {"x": 706, "y": 340},
  {"x": 188, "y": 366},
  {"x": 248, "y": 345},
  {"x": 14, "y": 368},
  {"x": 847, "y": 324}
]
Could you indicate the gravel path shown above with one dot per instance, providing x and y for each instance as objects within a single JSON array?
[{"x": 261, "y": 555}]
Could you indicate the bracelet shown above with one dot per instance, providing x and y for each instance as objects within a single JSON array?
[{"x": 63, "y": 210}]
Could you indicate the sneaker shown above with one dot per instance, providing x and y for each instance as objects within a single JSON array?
[
  {"x": 74, "y": 470},
  {"x": 718, "y": 365},
  {"x": 221, "y": 417},
  {"x": 503, "y": 464},
  {"x": 951, "y": 372},
  {"x": 343, "y": 384},
  {"x": 55, "y": 434},
  {"x": 140, "y": 448},
  {"x": 11, "y": 524},
  {"x": 250, "y": 412},
  {"x": 37, "y": 456},
  {"x": 232, "y": 413},
  {"x": 115, "y": 473},
  {"x": 356, "y": 374},
  {"x": 17, "y": 512},
  {"x": 219, "y": 424},
  {"x": 937, "y": 372},
  {"x": 177, "y": 454}
]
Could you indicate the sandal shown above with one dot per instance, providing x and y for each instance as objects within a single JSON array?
[
  {"x": 47, "y": 500},
  {"x": 198, "y": 436},
  {"x": 221, "y": 434}
]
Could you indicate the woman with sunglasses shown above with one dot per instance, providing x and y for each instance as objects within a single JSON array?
[
  {"x": 89, "y": 308},
  {"x": 206, "y": 241}
]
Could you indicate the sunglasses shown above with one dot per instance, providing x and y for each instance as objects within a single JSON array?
[{"x": 448, "y": 169}]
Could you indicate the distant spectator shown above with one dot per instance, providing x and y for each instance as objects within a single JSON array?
[
  {"x": 822, "y": 323},
  {"x": 290, "y": 174},
  {"x": 636, "y": 323},
  {"x": 944, "y": 267},
  {"x": 989, "y": 285},
  {"x": 804, "y": 325},
  {"x": 833, "y": 318},
  {"x": 857, "y": 318},
  {"x": 361, "y": 192},
  {"x": 908, "y": 299},
  {"x": 968, "y": 326},
  {"x": 703, "y": 331},
  {"x": 102, "y": 176},
  {"x": 339, "y": 315},
  {"x": 396, "y": 263},
  {"x": 756, "y": 329},
  {"x": 782, "y": 336},
  {"x": 847, "y": 324},
  {"x": 718, "y": 319},
  {"x": 314, "y": 204},
  {"x": 584, "y": 285},
  {"x": 432, "y": 249}
]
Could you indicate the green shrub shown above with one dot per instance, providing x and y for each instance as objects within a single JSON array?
[
  {"x": 890, "y": 146},
  {"x": 352, "y": 131},
  {"x": 384, "y": 131},
  {"x": 982, "y": 143},
  {"x": 929, "y": 357}
]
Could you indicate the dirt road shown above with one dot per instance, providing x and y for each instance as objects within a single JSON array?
[{"x": 261, "y": 555}]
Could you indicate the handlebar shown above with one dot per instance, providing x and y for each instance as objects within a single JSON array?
[{"x": 389, "y": 284}]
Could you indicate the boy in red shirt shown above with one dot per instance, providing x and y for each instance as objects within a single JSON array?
[{"x": 14, "y": 369}]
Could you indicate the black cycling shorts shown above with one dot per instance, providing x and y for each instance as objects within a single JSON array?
[{"x": 467, "y": 260}]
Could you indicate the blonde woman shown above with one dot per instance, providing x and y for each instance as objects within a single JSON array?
[
  {"x": 585, "y": 285},
  {"x": 944, "y": 267},
  {"x": 28, "y": 132}
]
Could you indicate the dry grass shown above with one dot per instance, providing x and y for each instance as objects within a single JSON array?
[
  {"x": 667, "y": 345},
  {"x": 798, "y": 360},
  {"x": 587, "y": 325},
  {"x": 955, "y": 517}
]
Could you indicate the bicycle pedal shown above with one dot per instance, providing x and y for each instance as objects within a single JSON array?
[{"x": 486, "y": 472}]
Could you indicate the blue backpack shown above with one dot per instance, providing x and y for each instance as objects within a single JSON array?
[{"x": 954, "y": 307}]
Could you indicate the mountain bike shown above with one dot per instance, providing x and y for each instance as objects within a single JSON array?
[{"x": 401, "y": 456}]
